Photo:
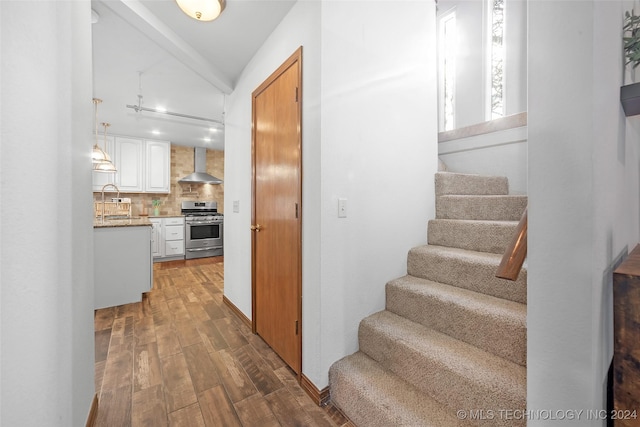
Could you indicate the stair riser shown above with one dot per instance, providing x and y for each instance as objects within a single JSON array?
[
  {"x": 474, "y": 275},
  {"x": 492, "y": 237},
  {"x": 488, "y": 208},
  {"x": 451, "y": 183},
  {"x": 503, "y": 334},
  {"x": 433, "y": 377}
]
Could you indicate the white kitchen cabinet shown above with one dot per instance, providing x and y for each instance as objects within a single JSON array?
[
  {"x": 174, "y": 232},
  {"x": 130, "y": 164},
  {"x": 143, "y": 166},
  {"x": 100, "y": 179},
  {"x": 156, "y": 237},
  {"x": 173, "y": 248},
  {"x": 122, "y": 265},
  {"x": 157, "y": 167},
  {"x": 169, "y": 244}
]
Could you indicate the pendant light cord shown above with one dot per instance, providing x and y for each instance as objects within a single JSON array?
[{"x": 96, "y": 101}]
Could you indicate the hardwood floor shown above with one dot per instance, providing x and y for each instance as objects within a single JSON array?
[{"x": 183, "y": 358}]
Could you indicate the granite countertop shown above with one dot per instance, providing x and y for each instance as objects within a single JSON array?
[
  {"x": 129, "y": 222},
  {"x": 165, "y": 216}
]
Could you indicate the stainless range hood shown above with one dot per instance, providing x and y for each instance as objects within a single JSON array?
[{"x": 200, "y": 175}]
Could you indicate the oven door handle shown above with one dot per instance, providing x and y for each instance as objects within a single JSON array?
[
  {"x": 203, "y": 222},
  {"x": 201, "y": 249}
]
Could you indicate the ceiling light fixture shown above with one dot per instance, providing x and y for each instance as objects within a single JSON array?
[
  {"x": 138, "y": 108},
  {"x": 99, "y": 157},
  {"x": 162, "y": 110},
  {"x": 104, "y": 165},
  {"x": 202, "y": 10}
]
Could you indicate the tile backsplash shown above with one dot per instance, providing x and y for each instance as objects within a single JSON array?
[{"x": 181, "y": 165}]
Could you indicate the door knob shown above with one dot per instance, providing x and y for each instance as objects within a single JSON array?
[{"x": 256, "y": 227}]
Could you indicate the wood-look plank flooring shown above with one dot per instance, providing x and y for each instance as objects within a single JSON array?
[{"x": 183, "y": 358}]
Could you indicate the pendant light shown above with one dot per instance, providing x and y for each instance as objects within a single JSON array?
[
  {"x": 105, "y": 165},
  {"x": 202, "y": 10},
  {"x": 97, "y": 154},
  {"x": 100, "y": 159}
]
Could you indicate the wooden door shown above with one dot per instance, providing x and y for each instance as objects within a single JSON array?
[{"x": 277, "y": 191}]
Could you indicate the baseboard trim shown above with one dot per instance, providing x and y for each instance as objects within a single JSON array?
[
  {"x": 320, "y": 397},
  {"x": 93, "y": 412},
  {"x": 236, "y": 311}
]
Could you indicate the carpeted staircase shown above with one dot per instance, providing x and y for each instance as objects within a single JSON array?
[{"x": 450, "y": 348}]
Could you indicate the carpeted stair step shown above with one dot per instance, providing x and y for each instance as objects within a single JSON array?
[
  {"x": 459, "y": 183},
  {"x": 453, "y": 373},
  {"x": 482, "y": 236},
  {"x": 465, "y": 269},
  {"x": 375, "y": 397},
  {"x": 493, "y": 324},
  {"x": 489, "y": 208}
]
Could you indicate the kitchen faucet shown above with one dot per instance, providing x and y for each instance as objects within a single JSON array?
[{"x": 118, "y": 197}]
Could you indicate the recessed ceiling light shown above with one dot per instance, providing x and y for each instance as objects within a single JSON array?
[
  {"x": 156, "y": 132},
  {"x": 213, "y": 129},
  {"x": 161, "y": 109},
  {"x": 206, "y": 139}
]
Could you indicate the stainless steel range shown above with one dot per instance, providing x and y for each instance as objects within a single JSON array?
[{"x": 203, "y": 233}]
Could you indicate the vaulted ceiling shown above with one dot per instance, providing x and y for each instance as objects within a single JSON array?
[{"x": 151, "y": 48}]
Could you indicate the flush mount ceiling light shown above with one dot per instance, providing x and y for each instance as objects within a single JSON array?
[{"x": 202, "y": 10}]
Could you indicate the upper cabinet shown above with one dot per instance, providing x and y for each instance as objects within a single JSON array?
[
  {"x": 158, "y": 167},
  {"x": 144, "y": 166},
  {"x": 130, "y": 164}
]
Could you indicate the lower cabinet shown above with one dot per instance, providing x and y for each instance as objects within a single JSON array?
[
  {"x": 167, "y": 241},
  {"x": 123, "y": 268}
]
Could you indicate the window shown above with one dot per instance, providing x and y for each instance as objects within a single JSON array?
[
  {"x": 495, "y": 59},
  {"x": 447, "y": 50}
]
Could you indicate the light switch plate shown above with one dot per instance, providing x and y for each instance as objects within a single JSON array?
[
  {"x": 236, "y": 206},
  {"x": 342, "y": 208}
]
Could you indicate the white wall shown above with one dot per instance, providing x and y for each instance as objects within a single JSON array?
[
  {"x": 46, "y": 262},
  {"x": 583, "y": 199},
  {"x": 470, "y": 83},
  {"x": 379, "y": 151},
  {"x": 515, "y": 90},
  {"x": 369, "y": 134},
  {"x": 502, "y": 153}
]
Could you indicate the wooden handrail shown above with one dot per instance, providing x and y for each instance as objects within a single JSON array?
[{"x": 516, "y": 252}]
